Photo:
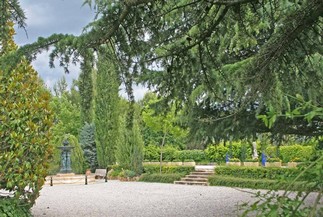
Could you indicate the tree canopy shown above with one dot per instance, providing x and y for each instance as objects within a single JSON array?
[{"x": 205, "y": 52}]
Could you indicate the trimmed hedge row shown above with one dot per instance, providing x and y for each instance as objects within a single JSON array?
[
  {"x": 161, "y": 178},
  {"x": 151, "y": 169},
  {"x": 260, "y": 172},
  {"x": 259, "y": 183}
]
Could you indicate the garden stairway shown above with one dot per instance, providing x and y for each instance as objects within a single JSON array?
[{"x": 198, "y": 177}]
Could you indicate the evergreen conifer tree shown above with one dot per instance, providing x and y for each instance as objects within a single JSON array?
[
  {"x": 106, "y": 109},
  {"x": 87, "y": 141}
]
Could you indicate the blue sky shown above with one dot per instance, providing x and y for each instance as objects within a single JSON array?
[{"x": 46, "y": 17}]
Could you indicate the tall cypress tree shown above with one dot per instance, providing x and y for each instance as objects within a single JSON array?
[
  {"x": 106, "y": 109},
  {"x": 86, "y": 88}
]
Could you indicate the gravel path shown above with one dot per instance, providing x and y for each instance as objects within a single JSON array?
[{"x": 118, "y": 199}]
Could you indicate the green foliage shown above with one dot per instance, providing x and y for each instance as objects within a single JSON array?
[
  {"x": 292, "y": 152},
  {"x": 273, "y": 173},
  {"x": 106, "y": 109},
  {"x": 127, "y": 174},
  {"x": 87, "y": 141},
  {"x": 129, "y": 152},
  {"x": 26, "y": 118},
  {"x": 169, "y": 153},
  {"x": 194, "y": 155},
  {"x": 150, "y": 169},
  {"x": 86, "y": 87},
  {"x": 273, "y": 159},
  {"x": 161, "y": 178},
  {"x": 151, "y": 153},
  {"x": 231, "y": 181},
  {"x": 216, "y": 153},
  {"x": 234, "y": 159},
  {"x": 13, "y": 207},
  {"x": 78, "y": 163}
]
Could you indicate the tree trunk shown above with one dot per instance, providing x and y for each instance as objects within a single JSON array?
[{"x": 161, "y": 153}]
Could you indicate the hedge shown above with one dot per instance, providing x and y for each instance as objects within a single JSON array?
[
  {"x": 260, "y": 172},
  {"x": 195, "y": 155},
  {"x": 229, "y": 181},
  {"x": 151, "y": 169},
  {"x": 292, "y": 152},
  {"x": 161, "y": 178}
]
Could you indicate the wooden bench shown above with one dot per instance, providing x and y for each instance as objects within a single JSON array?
[{"x": 100, "y": 173}]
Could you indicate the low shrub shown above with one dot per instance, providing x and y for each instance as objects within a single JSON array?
[
  {"x": 169, "y": 153},
  {"x": 234, "y": 160},
  {"x": 13, "y": 207},
  {"x": 230, "y": 181},
  {"x": 260, "y": 173},
  {"x": 161, "y": 178},
  {"x": 151, "y": 169}
]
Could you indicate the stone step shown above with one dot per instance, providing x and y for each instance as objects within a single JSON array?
[
  {"x": 202, "y": 173},
  {"x": 187, "y": 179},
  {"x": 72, "y": 179},
  {"x": 190, "y": 183},
  {"x": 197, "y": 176}
]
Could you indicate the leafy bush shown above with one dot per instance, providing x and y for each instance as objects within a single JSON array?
[
  {"x": 151, "y": 153},
  {"x": 271, "y": 151},
  {"x": 161, "y": 178},
  {"x": 273, "y": 159},
  {"x": 13, "y": 207},
  {"x": 127, "y": 173},
  {"x": 169, "y": 153},
  {"x": 216, "y": 153},
  {"x": 230, "y": 181},
  {"x": 150, "y": 169},
  {"x": 25, "y": 122},
  {"x": 288, "y": 153},
  {"x": 194, "y": 155},
  {"x": 261, "y": 173}
]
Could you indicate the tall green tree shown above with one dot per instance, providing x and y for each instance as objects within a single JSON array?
[
  {"x": 86, "y": 88},
  {"x": 129, "y": 151},
  {"x": 107, "y": 114}
]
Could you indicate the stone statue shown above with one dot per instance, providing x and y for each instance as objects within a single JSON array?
[{"x": 254, "y": 150}]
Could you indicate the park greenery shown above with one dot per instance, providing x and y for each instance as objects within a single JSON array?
[{"x": 222, "y": 73}]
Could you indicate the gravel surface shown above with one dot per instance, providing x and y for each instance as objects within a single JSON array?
[{"x": 117, "y": 199}]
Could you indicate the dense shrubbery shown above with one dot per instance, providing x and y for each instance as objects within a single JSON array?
[
  {"x": 292, "y": 152},
  {"x": 161, "y": 178},
  {"x": 260, "y": 172},
  {"x": 25, "y": 118},
  {"x": 231, "y": 181},
  {"x": 151, "y": 153},
  {"x": 150, "y": 169},
  {"x": 12, "y": 207},
  {"x": 216, "y": 153}
]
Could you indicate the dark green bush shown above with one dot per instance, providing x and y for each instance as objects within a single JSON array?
[
  {"x": 13, "y": 207},
  {"x": 161, "y": 178},
  {"x": 151, "y": 169},
  {"x": 230, "y": 181},
  {"x": 260, "y": 173}
]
